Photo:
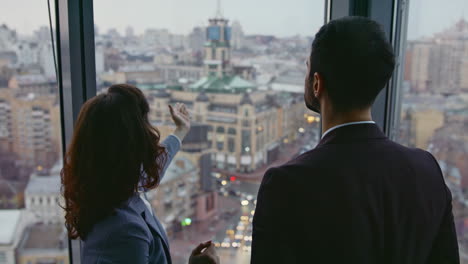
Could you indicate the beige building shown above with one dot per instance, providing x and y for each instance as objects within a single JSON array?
[
  {"x": 174, "y": 200},
  {"x": 43, "y": 244},
  {"x": 440, "y": 64},
  {"x": 418, "y": 54},
  {"x": 30, "y": 126},
  {"x": 423, "y": 123},
  {"x": 246, "y": 129}
]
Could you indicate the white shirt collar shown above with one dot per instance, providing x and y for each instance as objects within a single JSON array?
[{"x": 346, "y": 124}]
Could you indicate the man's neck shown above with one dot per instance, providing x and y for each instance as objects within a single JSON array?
[{"x": 336, "y": 119}]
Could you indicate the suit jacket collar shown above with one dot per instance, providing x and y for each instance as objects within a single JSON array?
[
  {"x": 357, "y": 132},
  {"x": 139, "y": 206}
]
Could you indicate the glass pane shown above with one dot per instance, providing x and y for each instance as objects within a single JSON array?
[
  {"x": 240, "y": 69},
  {"x": 32, "y": 223},
  {"x": 434, "y": 100}
]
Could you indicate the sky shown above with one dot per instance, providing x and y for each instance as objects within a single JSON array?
[{"x": 275, "y": 17}]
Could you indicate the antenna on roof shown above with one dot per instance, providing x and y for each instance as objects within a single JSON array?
[{"x": 219, "y": 13}]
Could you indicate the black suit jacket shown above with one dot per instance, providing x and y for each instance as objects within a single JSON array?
[{"x": 356, "y": 198}]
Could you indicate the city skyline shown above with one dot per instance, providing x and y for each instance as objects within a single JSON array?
[{"x": 306, "y": 19}]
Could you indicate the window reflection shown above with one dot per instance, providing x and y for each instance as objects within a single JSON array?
[
  {"x": 434, "y": 113},
  {"x": 32, "y": 229},
  {"x": 244, "y": 87}
]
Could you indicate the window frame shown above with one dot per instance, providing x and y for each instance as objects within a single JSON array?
[
  {"x": 386, "y": 108},
  {"x": 76, "y": 72},
  {"x": 77, "y": 75}
]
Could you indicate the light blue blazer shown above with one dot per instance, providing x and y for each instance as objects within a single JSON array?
[{"x": 132, "y": 235}]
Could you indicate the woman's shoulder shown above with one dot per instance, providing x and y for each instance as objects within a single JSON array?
[
  {"x": 120, "y": 236},
  {"x": 124, "y": 219}
]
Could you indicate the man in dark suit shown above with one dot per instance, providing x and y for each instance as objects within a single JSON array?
[{"x": 357, "y": 197}]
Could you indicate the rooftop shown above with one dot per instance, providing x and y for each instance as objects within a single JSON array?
[
  {"x": 41, "y": 236},
  {"x": 225, "y": 84},
  {"x": 43, "y": 185},
  {"x": 175, "y": 169},
  {"x": 29, "y": 79},
  {"x": 9, "y": 220}
]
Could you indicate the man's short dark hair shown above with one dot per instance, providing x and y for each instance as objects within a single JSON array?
[{"x": 355, "y": 59}]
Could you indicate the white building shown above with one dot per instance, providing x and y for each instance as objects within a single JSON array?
[
  {"x": 157, "y": 37},
  {"x": 46, "y": 59},
  {"x": 28, "y": 53},
  {"x": 129, "y": 32},
  {"x": 8, "y": 38},
  {"x": 179, "y": 41},
  {"x": 99, "y": 56},
  {"x": 197, "y": 38},
  {"x": 42, "y": 198},
  {"x": 11, "y": 232},
  {"x": 173, "y": 200},
  {"x": 237, "y": 38}
]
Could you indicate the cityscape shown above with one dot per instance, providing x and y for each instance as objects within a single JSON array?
[{"x": 245, "y": 96}]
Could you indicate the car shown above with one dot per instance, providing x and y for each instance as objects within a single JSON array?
[
  {"x": 226, "y": 243},
  {"x": 247, "y": 246}
]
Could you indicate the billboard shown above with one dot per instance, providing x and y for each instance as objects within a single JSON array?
[
  {"x": 227, "y": 33},
  {"x": 214, "y": 33}
]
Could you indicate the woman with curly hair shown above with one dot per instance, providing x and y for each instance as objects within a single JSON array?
[{"x": 114, "y": 157}]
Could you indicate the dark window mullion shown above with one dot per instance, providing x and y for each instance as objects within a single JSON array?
[{"x": 77, "y": 76}]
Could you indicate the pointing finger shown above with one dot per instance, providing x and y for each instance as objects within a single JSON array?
[{"x": 171, "y": 109}]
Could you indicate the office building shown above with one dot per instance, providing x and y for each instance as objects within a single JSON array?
[
  {"x": 43, "y": 244},
  {"x": 12, "y": 228}
]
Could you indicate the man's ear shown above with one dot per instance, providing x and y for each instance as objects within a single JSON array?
[{"x": 317, "y": 85}]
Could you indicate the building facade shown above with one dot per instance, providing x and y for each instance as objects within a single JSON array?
[
  {"x": 13, "y": 225},
  {"x": 43, "y": 244},
  {"x": 439, "y": 64},
  {"x": 245, "y": 129},
  {"x": 174, "y": 201},
  {"x": 32, "y": 128},
  {"x": 43, "y": 199}
]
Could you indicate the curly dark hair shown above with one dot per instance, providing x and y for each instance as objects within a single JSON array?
[{"x": 112, "y": 146}]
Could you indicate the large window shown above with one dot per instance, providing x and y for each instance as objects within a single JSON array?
[
  {"x": 434, "y": 96},
  {"x": 30, "y": 141},
  {"x": 240, "y": 69}
]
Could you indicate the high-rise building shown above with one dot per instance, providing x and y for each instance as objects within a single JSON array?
[
  {"x": 13, "y": 226},
  {"x": 246, "y": 126},
  {"x": 28, "y": 53},
  {"x": 129, "y": 32},
  {"x": 218, "y": 47},
  {"x": 42, "y": 35},
  {"x": 237, "y": 41},
  {"x": 178, "y": 41},
  {"x": 100, "y": 60},
  {"x": 8, "y": 38},
  {"x": 33, "y": 131},
  {"x": 46, "y": 60},
  {"x": 157, "y": 38},
  {"x": 440, "y": 64},
  {"x": 197, "y": 38}
]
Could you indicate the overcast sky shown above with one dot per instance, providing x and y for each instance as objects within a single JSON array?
[{"x": 276, "y": 17}]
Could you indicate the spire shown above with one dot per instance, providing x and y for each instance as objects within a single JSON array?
[{"x": 219, "y": 13}]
